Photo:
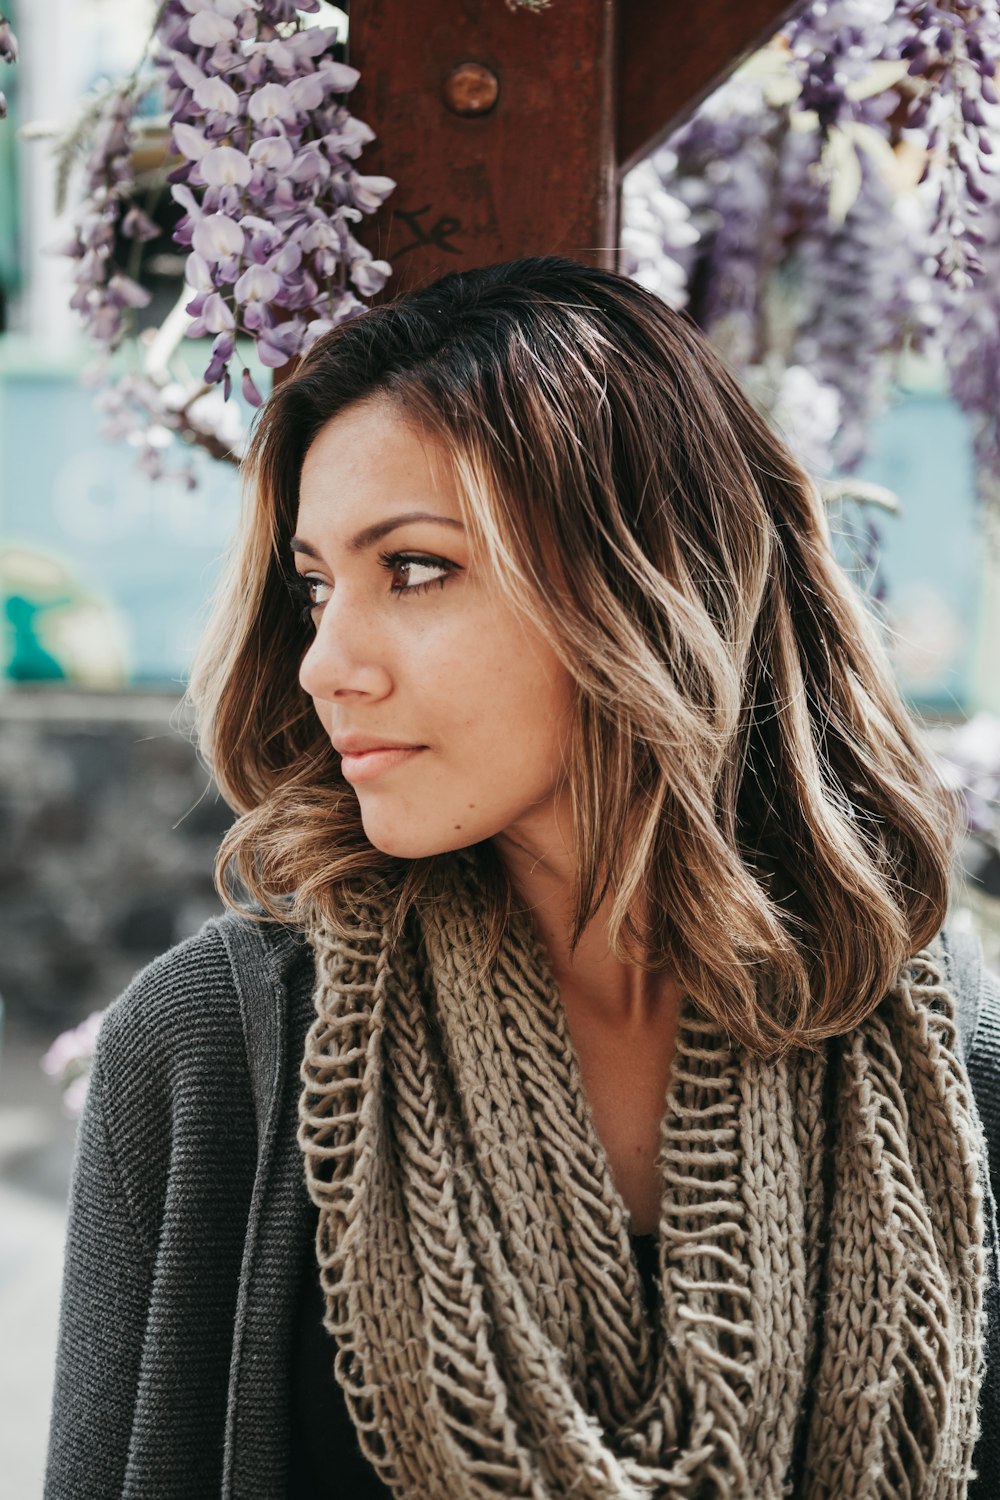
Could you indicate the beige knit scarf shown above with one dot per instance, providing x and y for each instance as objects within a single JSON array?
[{"x": 819, "y": 1331}]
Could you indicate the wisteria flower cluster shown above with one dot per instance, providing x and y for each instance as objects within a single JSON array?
[
  {"x": 656, "y": 225},
  {"x": 949, "y": 51},
  {"x": 265, "y": 152},
  {"x": 8, "y": 54},
  {"x": 268, "y": 184},
  {"x": 845, "y": 200},
  {"x": 150, "y": 412},
  {"x": 103, "y": 293},
  {"x": 953, "y": 54}
]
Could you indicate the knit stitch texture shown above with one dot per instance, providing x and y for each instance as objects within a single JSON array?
[
  {"x": 189, "y": 1221},
  {"x": 479, "y": 1281}
]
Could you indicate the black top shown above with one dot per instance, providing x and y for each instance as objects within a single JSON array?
[{"x": 325, "y": 1457}]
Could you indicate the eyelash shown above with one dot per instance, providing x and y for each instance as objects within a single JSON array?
[{"x": 299, "y": 583}]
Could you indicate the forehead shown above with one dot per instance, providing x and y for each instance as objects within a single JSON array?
[{"x": 369, "y": 460}]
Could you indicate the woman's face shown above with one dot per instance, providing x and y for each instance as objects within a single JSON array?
[{"x": 414, "y": 647}]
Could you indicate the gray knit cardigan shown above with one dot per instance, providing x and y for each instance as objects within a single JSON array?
[{"x": 189, "y": 1218}]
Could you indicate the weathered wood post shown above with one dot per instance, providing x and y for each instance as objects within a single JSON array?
[{"x": 508, "y": 130}]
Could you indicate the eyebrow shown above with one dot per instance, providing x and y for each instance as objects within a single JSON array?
[{"x": 372, "y": 534}]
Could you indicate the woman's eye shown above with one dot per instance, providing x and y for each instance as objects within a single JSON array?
[
  {"x": 409, "y": 573},
  {"x": 413, "y": 574},
  {"x": 305, "y": 591}
]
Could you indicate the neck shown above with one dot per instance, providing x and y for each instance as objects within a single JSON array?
[{"x": 542, "y": 867}]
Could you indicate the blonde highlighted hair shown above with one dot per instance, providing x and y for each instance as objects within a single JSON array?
[{"x": 743, "y": 769}]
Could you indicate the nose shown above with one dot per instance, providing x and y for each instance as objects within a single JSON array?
[{"x": 343, "y": 657}]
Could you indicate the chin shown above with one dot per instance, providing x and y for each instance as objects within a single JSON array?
[{"x": 402, "y": 842}]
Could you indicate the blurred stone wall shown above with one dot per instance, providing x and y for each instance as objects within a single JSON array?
[{"x": 108, "y": 831}]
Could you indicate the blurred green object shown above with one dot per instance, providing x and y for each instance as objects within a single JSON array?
[
  {"x": 55, "y": 629},
  {"x": 28, "y": 660}
]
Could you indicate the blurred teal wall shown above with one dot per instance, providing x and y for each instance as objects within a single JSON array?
[
  {"x": 105, "y": 574},
  {"x": 933, "y": 555}
]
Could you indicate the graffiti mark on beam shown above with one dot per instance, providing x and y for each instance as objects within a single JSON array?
[{"x": 437, "y": 234}]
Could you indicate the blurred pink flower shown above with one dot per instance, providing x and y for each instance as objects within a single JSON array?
[{"x": 68, "y": 1060}]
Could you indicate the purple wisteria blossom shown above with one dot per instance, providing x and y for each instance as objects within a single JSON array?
[
  {"x": 8, "y": 54},
  {"x": 966, "y": 327},
  {"x": 953, "y": 51},
  {"x": 833, "y": 45},
  {"x": 844, "y": 195},
  {"x": 152, "y": 411},
  {"x": 950, "y": 52},
  {"x": 104, "y": 294},
  {"x": 656, "y": 233},
  {"x": 268, "y": 180},
  {"x": 265, "y": 170},
  {"x": 855, "y": 281}
]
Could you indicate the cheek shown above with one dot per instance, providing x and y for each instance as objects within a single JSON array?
[{"x": 516, "y": 711}]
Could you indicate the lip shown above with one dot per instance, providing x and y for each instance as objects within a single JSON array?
[
  {"x": 363, "y": 765},
  {"x": 359, "y": 744}
]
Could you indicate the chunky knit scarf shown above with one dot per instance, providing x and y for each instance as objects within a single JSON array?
[{"x": 819, "y": 1328}]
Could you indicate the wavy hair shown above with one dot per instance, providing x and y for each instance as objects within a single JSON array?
[{"x": 743, "y": 771}]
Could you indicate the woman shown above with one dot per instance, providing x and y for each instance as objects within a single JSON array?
[{"x": 583, "y": 1079}]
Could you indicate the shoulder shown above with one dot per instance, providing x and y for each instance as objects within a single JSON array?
[
  {"x": 183, "y": 1063},
  {"x": 181, "y": 1010},
  {"x": 977, "y": 1001},
  {"x": 170, "y": 1110},
  {"x": 977, "y": 995}
]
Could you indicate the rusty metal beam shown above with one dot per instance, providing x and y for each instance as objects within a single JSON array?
[{"x": 671, "y": 53}]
